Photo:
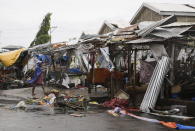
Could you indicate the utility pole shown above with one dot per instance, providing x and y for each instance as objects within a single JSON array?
[
  {"x": 50, "y": 31},
  {"x": 52, "y": 56},
  {"x": 0, "y": 36}
]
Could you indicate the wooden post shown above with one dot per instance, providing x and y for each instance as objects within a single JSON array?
[
  {"x": 53, "y": 63},
  {"x": 92, "y": 70},
  {"x": 135, "y": 59},
  {"x": 172, "y": 77}
]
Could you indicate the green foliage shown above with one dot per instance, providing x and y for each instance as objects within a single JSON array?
[{"x": 43, "y": 35}]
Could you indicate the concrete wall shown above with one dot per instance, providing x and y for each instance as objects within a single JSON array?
[{"x": 147, "y": 15}]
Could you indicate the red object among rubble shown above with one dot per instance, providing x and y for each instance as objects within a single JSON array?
[{"x": 123, "y": 103}]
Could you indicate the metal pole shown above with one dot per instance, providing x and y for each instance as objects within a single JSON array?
[
  {"x": 129, "y": 66},
  {"x": 50, "y": 31},
  {"x": 135, "y": 58}
]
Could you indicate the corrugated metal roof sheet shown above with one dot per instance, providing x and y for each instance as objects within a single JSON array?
[
  {"x": 168, "y": 33},
  {"x": 154, "y": 33},
  {"x": 144, "y": 24},
  {"x": 165, "y": 34},
  {"x": 128, "y": 29},
  {"x": 170, "y": 7},
  {"x": 145, "y": 40},
  {"x": 145, "y": 31},
  {"x": 178, "y": 24}
]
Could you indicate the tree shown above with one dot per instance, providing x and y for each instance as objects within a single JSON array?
[{"x": 43, "y": 35}]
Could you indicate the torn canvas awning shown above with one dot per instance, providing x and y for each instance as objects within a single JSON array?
[{"x": 9, "y": 58}]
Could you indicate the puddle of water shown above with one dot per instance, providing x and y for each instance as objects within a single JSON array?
[{"x": 2, "y": 105}]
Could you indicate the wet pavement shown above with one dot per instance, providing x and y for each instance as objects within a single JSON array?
[
  {"x": 45, "y": 118},
  {"x": 36, "y": 121}
]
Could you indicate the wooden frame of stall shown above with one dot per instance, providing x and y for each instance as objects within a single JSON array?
[{"x": 173, "y": 45}]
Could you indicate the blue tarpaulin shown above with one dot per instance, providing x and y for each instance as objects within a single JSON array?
[
  {"x": 65, "y": 58},
  {"x": 75, "y": 70},
  {"x": 36, "y": 75},
  {"x": 44, "y": 58},
  {"x": 183, "y": 127}
]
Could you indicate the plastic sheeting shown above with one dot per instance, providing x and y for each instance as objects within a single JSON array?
[
  {"x": 44, "y": 58},
  {"x": 105, "y": 59},
  {"x": 30, "y": 65},
  {"x": 86, "y": 61},
  {"x": 81, "y": 63},
  {"x": 74, "y": 62},
  {"x": 183, "y": 127},
  {"x": 9, "y": 58},
  {"x": 166, "y": 124},
  {"x": 139, "y": 117},
  {"x": 158, "y": 50},
  {"x": 66, "y": 81}
]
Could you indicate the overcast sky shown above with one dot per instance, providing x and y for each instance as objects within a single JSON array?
[{"x": 20, "y": 19}]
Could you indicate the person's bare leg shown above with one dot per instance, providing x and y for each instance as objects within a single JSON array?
[{"x": 33, "y": 91}]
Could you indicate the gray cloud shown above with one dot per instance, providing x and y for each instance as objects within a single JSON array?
[{"x": 20, "y": 19}]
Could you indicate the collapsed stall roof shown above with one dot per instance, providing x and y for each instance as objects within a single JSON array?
[
  {"x": 159, "y": 31},
  {"x": 162, "y": 30},
  {"x": 178, "y": 24},
  {"x": 61, "y": 47},
  {"x": 124, "y": 34}
]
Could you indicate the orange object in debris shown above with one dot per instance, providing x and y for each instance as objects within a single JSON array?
[
  {"x": 57, "y": 45},
  {"x": 169, "y": 124}
]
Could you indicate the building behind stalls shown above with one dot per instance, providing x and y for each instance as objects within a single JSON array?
[{"x": 158, "y": 11}]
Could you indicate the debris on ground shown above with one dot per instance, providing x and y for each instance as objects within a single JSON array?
[
  {"x": 122, "y": 95},
  {"x": 115, "y": 102},
  {"x": 77, "y": 115},
  {"x": 21, "y": 105},
  {"x": 93, "y": 103},
  {"x": 53, "y": 102},
  {"x": 120, "y": 112}
]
